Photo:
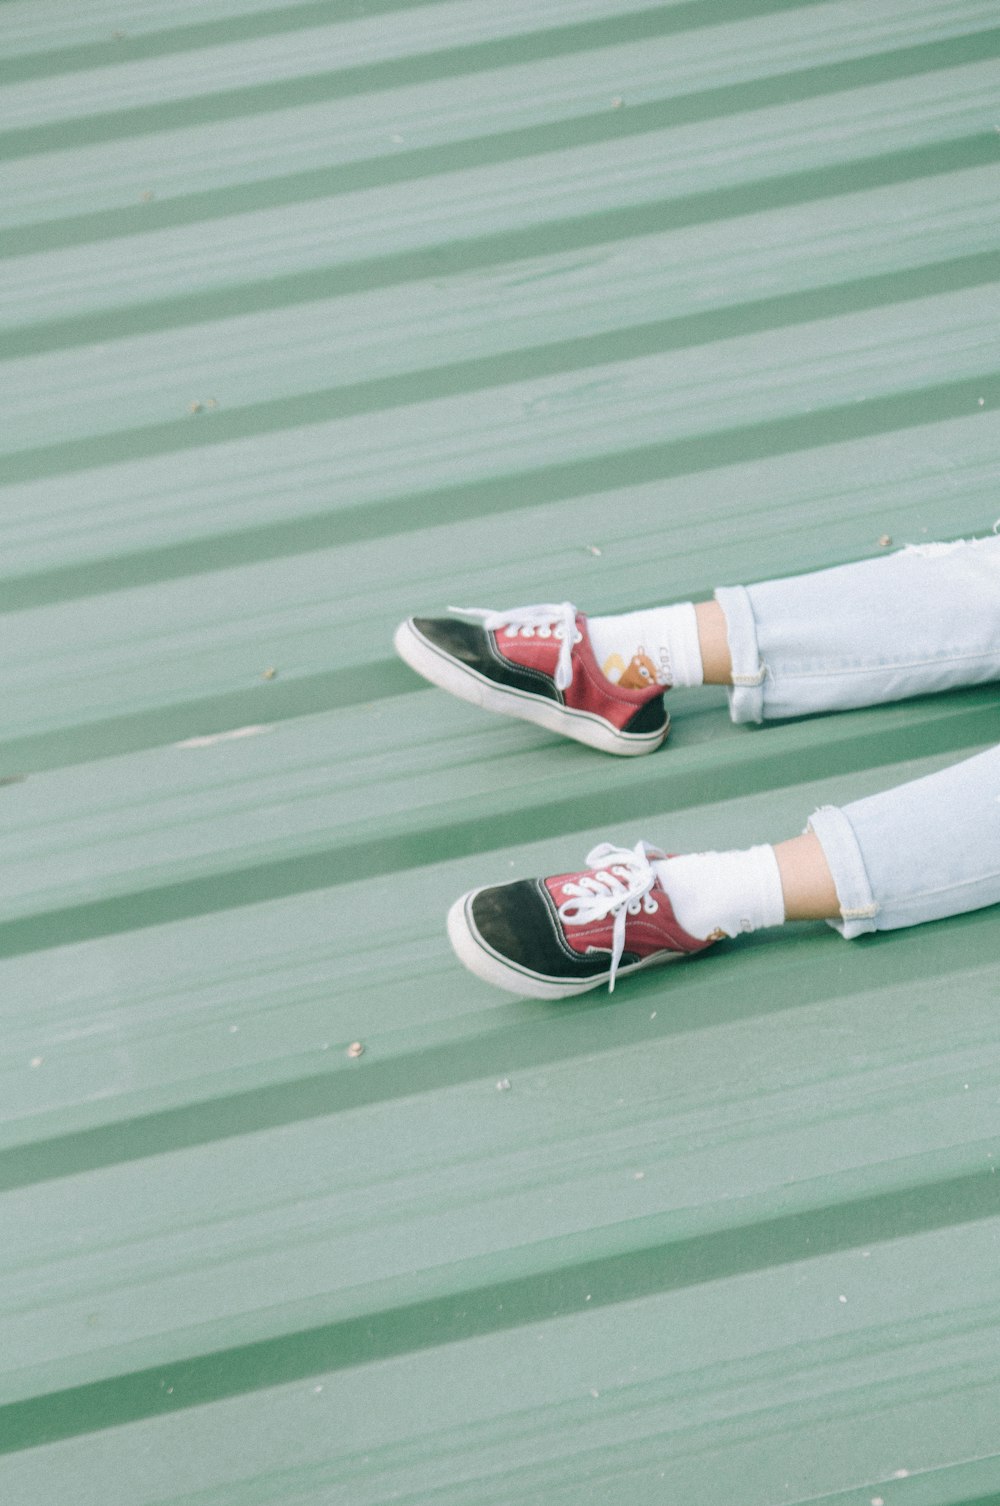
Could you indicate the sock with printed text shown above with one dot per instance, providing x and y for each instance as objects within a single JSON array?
[{"x": 638, "y": 649}]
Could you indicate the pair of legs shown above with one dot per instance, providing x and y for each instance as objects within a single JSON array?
[
  {"x": 923, "y": 620},
  {"x": 919, "y": 620}
]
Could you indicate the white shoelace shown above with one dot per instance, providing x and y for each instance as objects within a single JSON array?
[
  {"x": 620, "y": 886},
  {"x": 547, "y": 620}
]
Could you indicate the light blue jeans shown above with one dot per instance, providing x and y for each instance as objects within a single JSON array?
[{"x": 924, "y": 619}]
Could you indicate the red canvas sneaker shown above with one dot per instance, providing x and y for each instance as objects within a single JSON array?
[
  {"x": 535, "y": 663},
  {"x": 550, "y": 938}
]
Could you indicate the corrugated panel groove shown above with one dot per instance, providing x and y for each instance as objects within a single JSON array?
[{"x": 312, "y": 315}]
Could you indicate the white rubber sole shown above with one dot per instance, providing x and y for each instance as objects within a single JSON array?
[
  {"x": 469, "y": 685},
  {"x": 473, "y": 952}
]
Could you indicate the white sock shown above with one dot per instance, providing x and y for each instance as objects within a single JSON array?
[
  {"x": 725, "y": 891},
  {"x": 636, "y": 649}
]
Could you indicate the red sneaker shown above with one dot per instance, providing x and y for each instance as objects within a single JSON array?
[
  {"x": 550, "y": 938},
  {"x": 535, "y": 663}
]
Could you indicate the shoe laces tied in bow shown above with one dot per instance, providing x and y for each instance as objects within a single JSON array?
[
  {"x": 620, "y": 885},
  {"x": 547, "y": 620}
]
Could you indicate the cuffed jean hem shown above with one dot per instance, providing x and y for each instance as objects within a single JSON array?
[
  {"x": 858, "y": 905},
  {"x": 746, "y": 693},
  {"x": 924, "y": 619},
  {"x": 920, "y": 851}
]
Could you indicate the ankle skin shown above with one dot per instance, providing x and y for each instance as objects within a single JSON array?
[
  {"x": 713, "y": 640},
  {"x": 806, "y": 881}
]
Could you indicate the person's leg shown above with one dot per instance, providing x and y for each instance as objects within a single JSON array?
[
  {"x": 923, "y": 619},
  {"x": 918, "y": 852}
]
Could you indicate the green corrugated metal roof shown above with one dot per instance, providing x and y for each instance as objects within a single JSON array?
[{"x": 317, "y": 314}]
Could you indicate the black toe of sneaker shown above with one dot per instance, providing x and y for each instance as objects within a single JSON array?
[
  {"x": 463, "y": 657},
  {"x": 449, "y": 638},
  {"x": 511, "y": 936}
]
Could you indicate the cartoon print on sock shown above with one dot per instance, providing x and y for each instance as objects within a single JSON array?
[{"x": 638, "y": 674}]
